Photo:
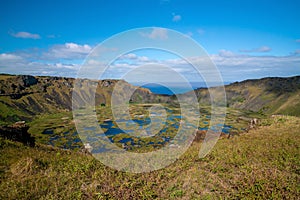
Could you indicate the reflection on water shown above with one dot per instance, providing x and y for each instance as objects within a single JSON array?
[{"x": 170, "y": 126}]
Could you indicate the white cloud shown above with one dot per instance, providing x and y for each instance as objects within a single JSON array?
[
  {"x": 228, "y": 59},
  {"x": 131, "y": 56},
  {"x": 93, "y": 62},
  {"x": 143, "y": 59},
  {"x": 235, "y": 67},
  {"x": 39, "y": 68},
  {"x": 67, "y": 51},
  {"x": 66, "y": 66},
  {"x": 58, "y": 60},
  {"x": 9, "y": 57},
  {"x": 64, "y": 59},
  {"x": 240, "y": 67},
  {"x": 50, "y": 61},
  {"x": 134, "y": 58},
  {"x": 176, "y": 18},
  {"x": 257, "y": 50},
  {"x": 226, "y": 53},
  {"x": 78, "y": 48},
  {"x": 25, "y": 35},
  {"x": 122, "y": 65},
  {"x": 157, "y": 33}
]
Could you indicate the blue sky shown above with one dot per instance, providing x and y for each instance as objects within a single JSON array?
[{"x": 245, "y": 39}]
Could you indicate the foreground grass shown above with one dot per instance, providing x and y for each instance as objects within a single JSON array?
[{"x": 264, "y": 164}]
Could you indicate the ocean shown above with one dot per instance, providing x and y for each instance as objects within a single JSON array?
[{"x": 172, "y": 88}]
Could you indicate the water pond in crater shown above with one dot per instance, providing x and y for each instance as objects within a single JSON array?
[{"x": 154, "y": 136}]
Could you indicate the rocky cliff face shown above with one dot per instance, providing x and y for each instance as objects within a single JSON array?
[
  {"x": 22, "y": 97},
  {"x": 28, "y": 95}
]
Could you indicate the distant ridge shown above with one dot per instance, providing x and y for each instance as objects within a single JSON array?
[
  {"x": 272, "y": 95},
  {"x": 23, "y": 96}
]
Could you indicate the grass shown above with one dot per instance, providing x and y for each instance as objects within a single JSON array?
[
  {"x": 8, "y": 115},
  {"x": 59, "y": 123},
  {"x": 63, "y": 127},
  {"x": 261, "y": 164}
]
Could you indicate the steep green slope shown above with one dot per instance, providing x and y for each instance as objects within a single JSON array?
[
  {"x": 23, "y": 97},
  {"x": 267, "y": 95}
]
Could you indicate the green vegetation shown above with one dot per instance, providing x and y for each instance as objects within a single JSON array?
[
  {"x": 59, "y": 123},
  {"x": 8, "y": 115},
  {"x": 61, "y": 126},
  {"x": 267, "y": 95},
  {"x": 24, "y": 97},
  {"x": 261, "y": 164},
  {"x": 239, "y": 99}
]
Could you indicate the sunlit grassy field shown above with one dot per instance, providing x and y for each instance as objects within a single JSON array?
[{"x": 263, "y": 163}]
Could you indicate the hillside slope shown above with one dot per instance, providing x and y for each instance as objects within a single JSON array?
[
  {"x": 22, "y": 97},
  {"x": 267, "y": 95}
]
